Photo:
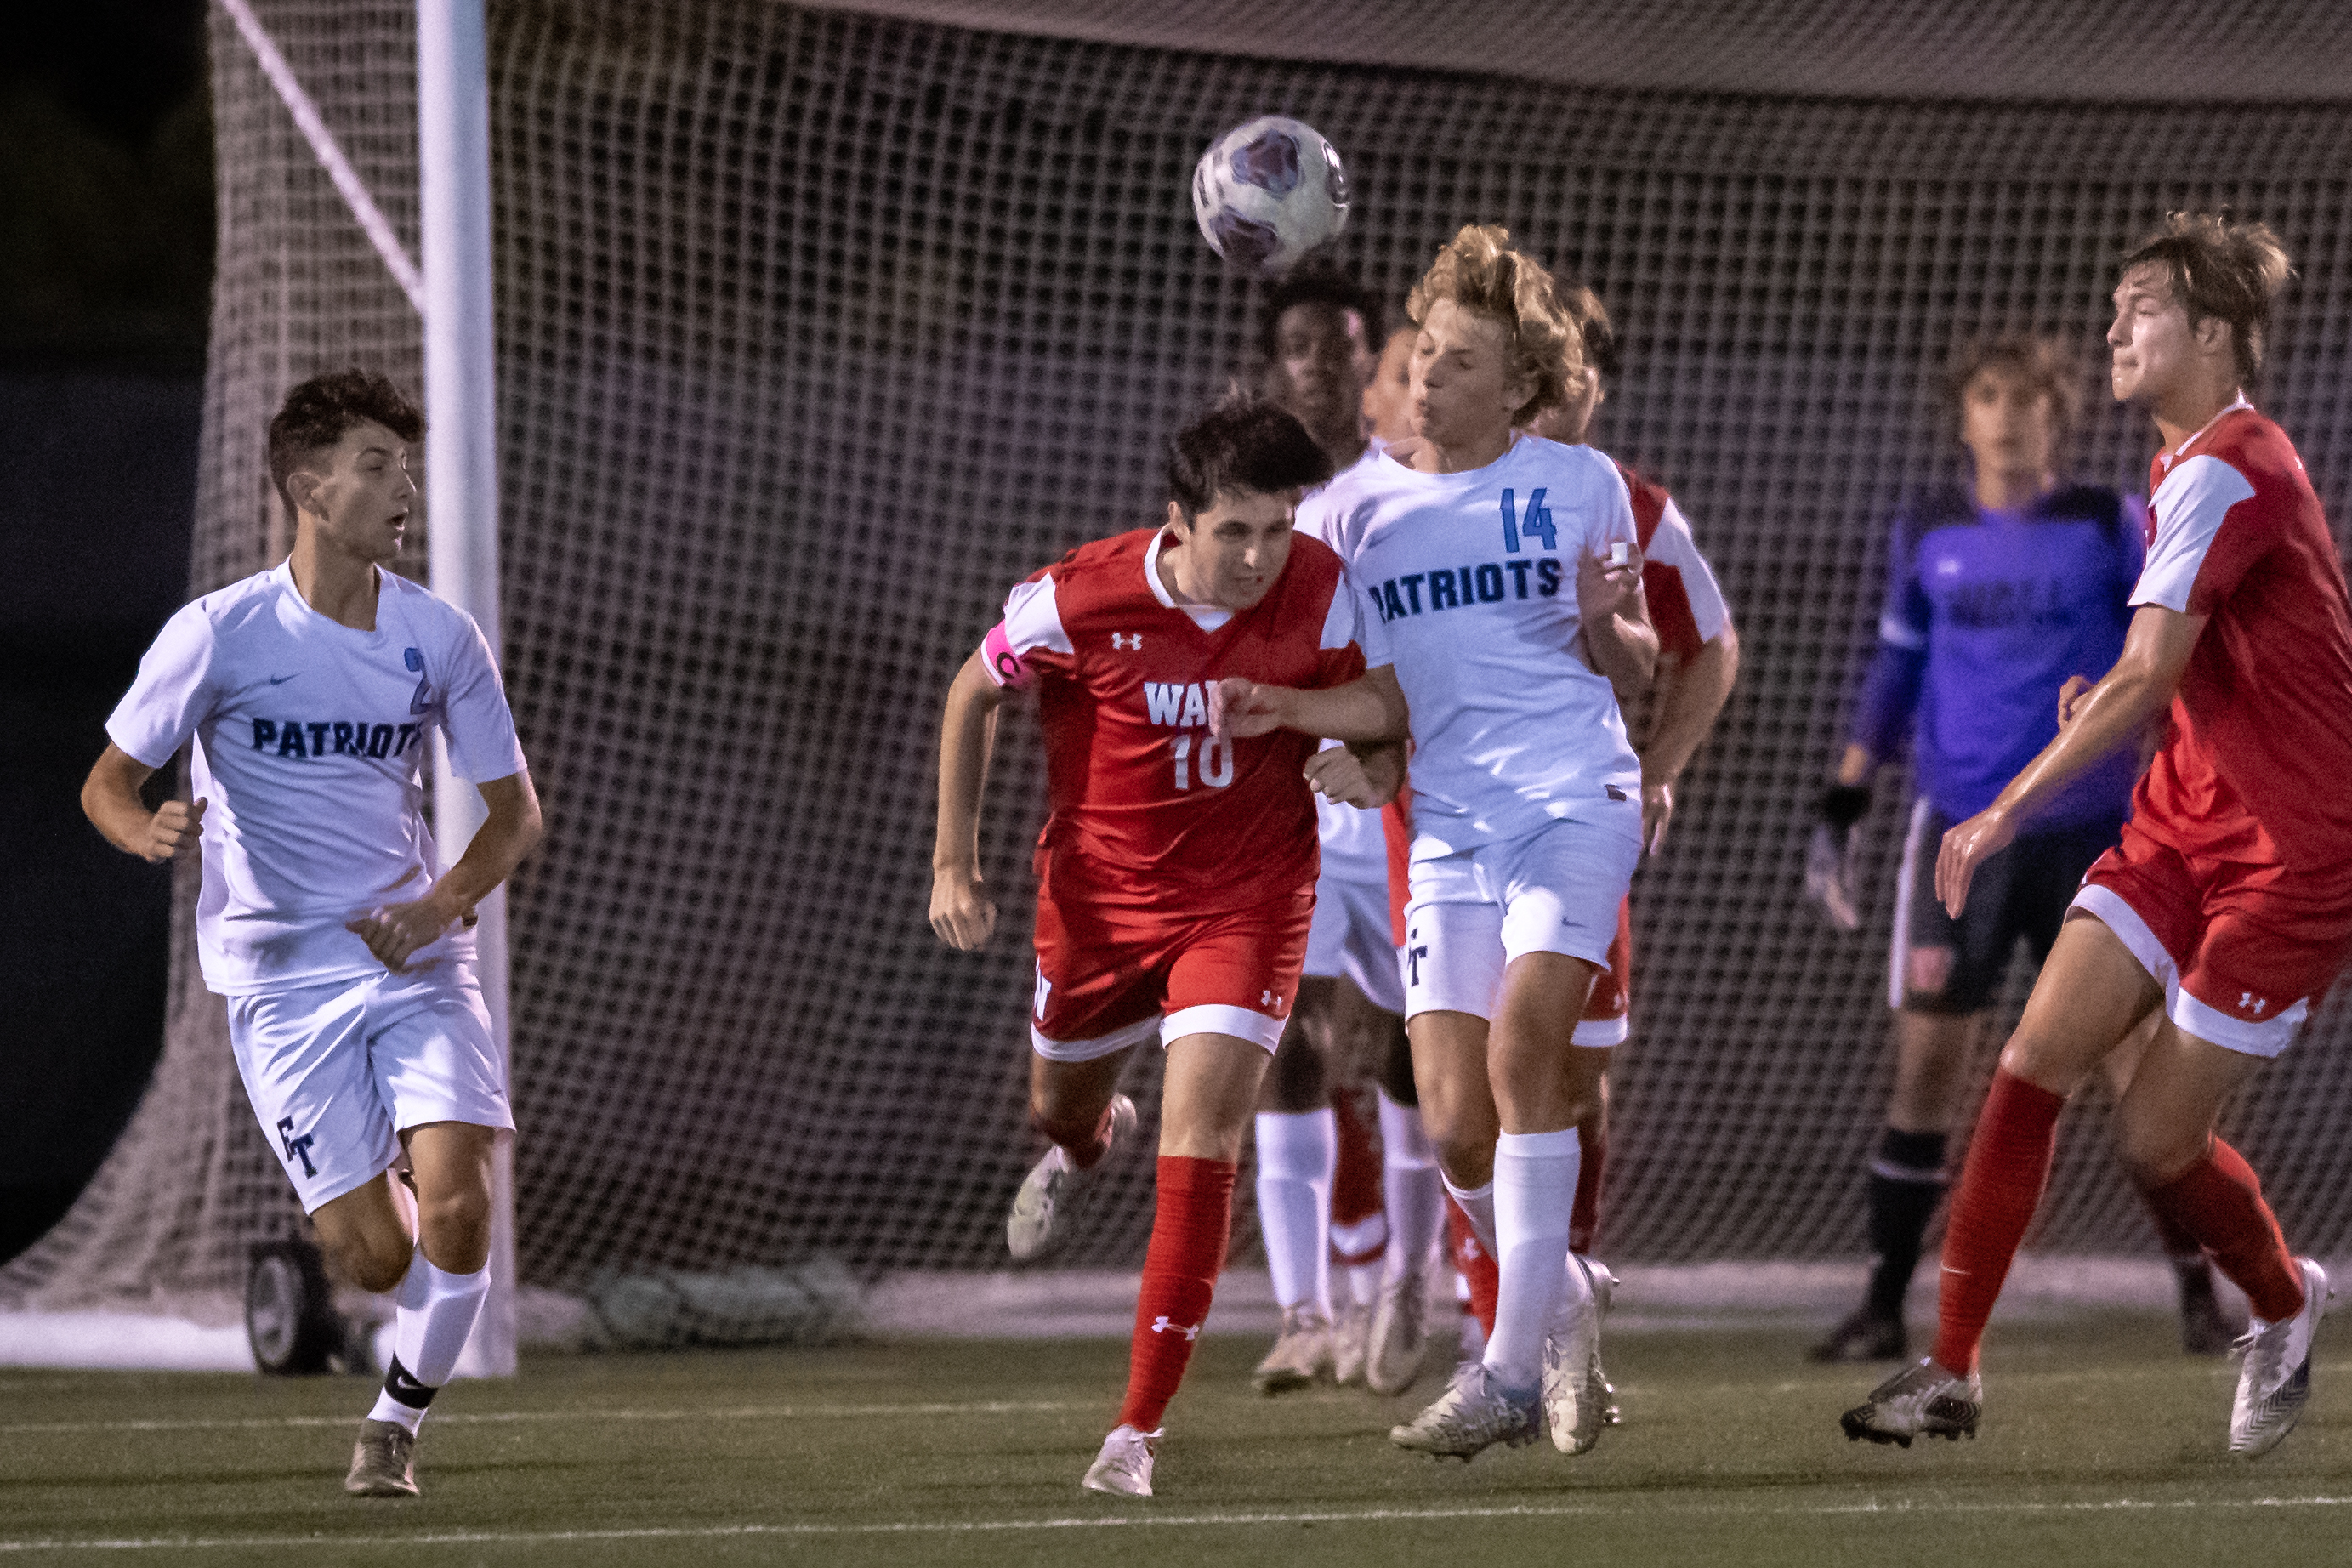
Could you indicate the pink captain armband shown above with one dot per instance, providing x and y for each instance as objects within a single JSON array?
[{"x": 1004, "y": 666}]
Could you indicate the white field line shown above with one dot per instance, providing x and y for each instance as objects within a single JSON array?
[
  {"x": 975, "y": 1408},
  {"x": 1633, "y": 1507},
  {"x": 500, "y": 1417}
]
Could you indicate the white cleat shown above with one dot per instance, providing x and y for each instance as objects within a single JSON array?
[
  {"x": 1925, "y": 1400},
  {"x": 1572, "y": 1359},
  {"x": 1301, "y": 1355},
  {"x": 1048, "y": 1195},
  {"x": 1597, "y": 1386},
  {"x": 2274, "y": 1384},
  {"x": 1473, "y": 1415},
  {"x": 1124, "y": 1466},
  {"x": 1352, "y": 1347},
  {"x": 1399, "y": 1339}
]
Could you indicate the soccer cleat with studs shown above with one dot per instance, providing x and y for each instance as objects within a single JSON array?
[
  {"x": 1124, "y": 1466},
  {"x": 1571, "y": 1360},
  {"x": 1351, "y": 1343},
  {"x": 1399, "y": 1342},
  {"x": 1473, "y": 1415},
  {"x": 1049, "y": 1194},
  {"x": 384, "y": 1461},
  {"x": 1926, "y": 1400},
  {"x": 2274, "y": 1383},
  {"x": 1300, "y": 1356},
  {"x": 1597, "y": 1386}
]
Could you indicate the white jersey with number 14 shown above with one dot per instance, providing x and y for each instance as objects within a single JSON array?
[{"x": 1474, "y": 575}]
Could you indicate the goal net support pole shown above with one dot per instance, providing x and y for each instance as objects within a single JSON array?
[{"x": 461, "y": 497}]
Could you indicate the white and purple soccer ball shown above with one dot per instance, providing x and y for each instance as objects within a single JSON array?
[{"x": 1268, "y": 192}]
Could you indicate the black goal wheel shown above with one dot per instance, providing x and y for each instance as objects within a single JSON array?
[{"x": 289, "y": 1310}]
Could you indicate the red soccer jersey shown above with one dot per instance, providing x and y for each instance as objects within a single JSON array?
[
  {"x": 1685, "y": 604},
  {"x": 2256, "y": 764},
  {"x": 1146, "y": 808}
]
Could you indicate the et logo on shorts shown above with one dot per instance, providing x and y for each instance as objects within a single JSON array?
[{"x": 296, "y": 1148}]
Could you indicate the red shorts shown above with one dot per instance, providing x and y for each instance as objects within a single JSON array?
[
  {"x": 1605, "y": 1020},
  {"x": 2241, "y": 951},
  {"x": 1109, "y": 977}
]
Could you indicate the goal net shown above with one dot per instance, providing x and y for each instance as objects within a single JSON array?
[{"x": 817, "y": 330}]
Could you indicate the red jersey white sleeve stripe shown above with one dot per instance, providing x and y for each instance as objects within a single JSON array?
[
  {"x": 1672, "y": 545},
  {"x": 2190, "y": 507}
]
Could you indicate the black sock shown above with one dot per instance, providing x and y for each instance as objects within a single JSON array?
[
  {"x": 1906, "y": 1183},
  {"x": 401, "y": 1386}
]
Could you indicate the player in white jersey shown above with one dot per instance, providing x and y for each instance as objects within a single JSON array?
[
  {"x": 310, "y": 691},
  {"x": 1508, "y": 571},
  {"x": 1320, "y": 329}
]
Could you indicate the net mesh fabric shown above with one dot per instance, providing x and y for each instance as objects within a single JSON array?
[{"x": 817, "y": 332}]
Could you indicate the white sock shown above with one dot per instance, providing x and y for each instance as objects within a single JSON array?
[
  {"x": 437, "y": 1309},
  {"x": 1478, "y": 1203},
  {"x": 1535, "y": 1195},
  {"x": 1411, "y": 1187},
  {"x": 1295, "y": 1153},
  {"x": 1364, "y": 1283}
]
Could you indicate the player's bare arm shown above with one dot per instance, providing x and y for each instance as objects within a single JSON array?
[
  {"x": 109, "y": 798},
  {"x": 1618, "y": 639},
  {"x": 1369, "y": 709},
  {"x": 1366, "y": 776},
  {"x": 961, "y": 912},
  {"x": 2112, "y": 713},
  {"x": 512, "y": 830},
  {"x": 1689, "y": 696}
]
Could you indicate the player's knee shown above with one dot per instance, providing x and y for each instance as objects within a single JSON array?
[
  {"x": 1060, "y": 1122},
  {"x": 1927, "y": 979},
  {"x": 2154, "y": 1148},
  {"x": 455, "y": 1224},
  {"x": 375, "y": 1263}
]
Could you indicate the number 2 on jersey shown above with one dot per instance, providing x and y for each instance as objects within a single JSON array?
[{"x": 1216, "y": 762}]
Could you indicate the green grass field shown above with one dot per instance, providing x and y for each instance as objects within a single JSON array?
[{"x": 2102, "y": 1445}]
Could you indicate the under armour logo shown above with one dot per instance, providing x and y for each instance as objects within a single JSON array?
[
  {"x": 1268, "y": 999},
  {"x": 296, "y": 1148},
  {"x": 2250, "y": 1002},
  {"x": 1163, "y": 1324},
  {"x": 1124, "y": 641}
]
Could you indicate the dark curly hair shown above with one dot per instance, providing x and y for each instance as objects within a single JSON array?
[
  {"x": 322, "y": 410},
  {"x": 1241, "y": 445}
]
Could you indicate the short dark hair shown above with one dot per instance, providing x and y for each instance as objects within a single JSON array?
[
  {"x": 323, "y": 409},
  {"x": 1320, "y": 283},
  {"x": 2041, "y": 362},
  {"x": 2222, "y": 269},
  {"x": 1248, "y": 445},
  {"x": 1592, "y": 325}
]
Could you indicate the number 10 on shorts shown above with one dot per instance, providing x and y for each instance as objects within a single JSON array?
[{"x": 1216, "y": 762}]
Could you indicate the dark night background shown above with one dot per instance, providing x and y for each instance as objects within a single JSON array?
[{"x": 106, "y": 264}]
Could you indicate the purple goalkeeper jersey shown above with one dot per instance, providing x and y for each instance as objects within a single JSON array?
[{"x": 1987, "y": 614}]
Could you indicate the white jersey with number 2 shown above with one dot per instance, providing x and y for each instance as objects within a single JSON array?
[
  {"x": 1475, "y": 576},
  {"x": 311, "y": 746}
]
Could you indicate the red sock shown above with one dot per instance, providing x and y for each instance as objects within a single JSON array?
[
  {"x": 1191, "y": 1224},
  {"x": 2219, "y": 1201},
  {"x": 1355, "y": 1197},
  {"x": 2001, "y": 1186},
  {"x": 1470, "y": 1258},
  {"x": 1584, "y": 1220}
]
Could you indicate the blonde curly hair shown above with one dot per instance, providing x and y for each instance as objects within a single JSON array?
[{"x": 1479, "y": 272}]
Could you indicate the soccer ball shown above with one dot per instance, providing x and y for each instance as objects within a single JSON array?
[{"x": 1268, "y": 192}]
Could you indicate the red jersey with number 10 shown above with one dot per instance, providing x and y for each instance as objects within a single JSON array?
[
  {"x": 2258, "y": 762},
  {"x": 1146, "y": 808}
]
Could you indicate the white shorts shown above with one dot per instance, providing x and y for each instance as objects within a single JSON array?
[
  {"x": 1350, "y": 941},
  {"x": 336, "y": 1071},
  {"x": 1555, "y": 890}
]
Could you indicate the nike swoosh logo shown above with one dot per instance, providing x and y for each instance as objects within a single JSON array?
[
  {"x": 282, "y": 679},
  {"x": 1961, "y": 1272}
]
